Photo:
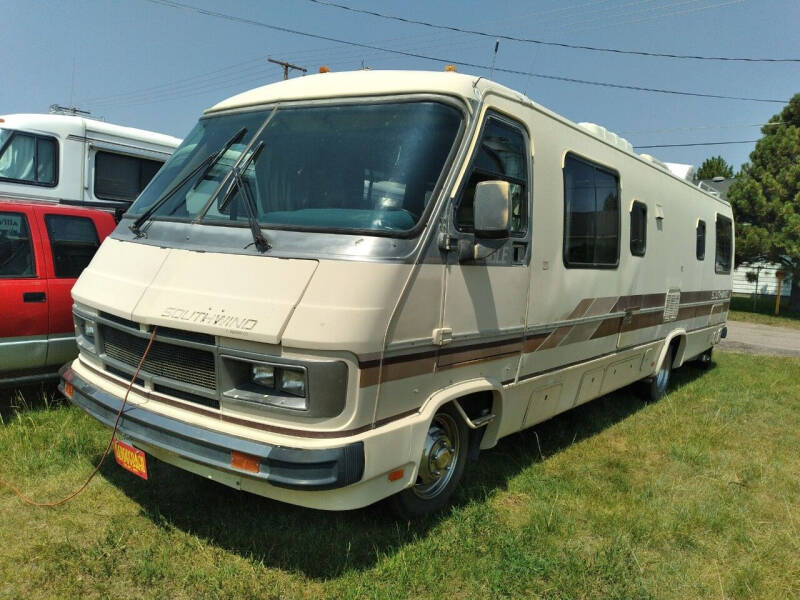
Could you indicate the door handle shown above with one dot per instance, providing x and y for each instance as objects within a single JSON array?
[{"x": 33, "y": 297}]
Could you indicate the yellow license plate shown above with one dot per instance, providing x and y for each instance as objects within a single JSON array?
[{"x": 130, "y": 458}]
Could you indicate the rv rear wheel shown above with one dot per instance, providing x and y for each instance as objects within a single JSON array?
[
  {"x": 441, "y": 466},
  {"x": 660, "y": 381},
  {"x": 703, "y": 361}
]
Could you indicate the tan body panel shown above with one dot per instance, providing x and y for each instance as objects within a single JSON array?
[{"x": 417, "y": 333}]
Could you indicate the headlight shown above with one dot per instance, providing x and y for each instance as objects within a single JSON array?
[
  {"x": 263, "y": 376},
  {"x": 313, "y": 387},
  {"x": 270, "y": 384},
  {"x": 293, "y": 382}
]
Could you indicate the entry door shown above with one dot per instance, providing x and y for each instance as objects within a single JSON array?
[
  {"x": 23, "y": 295},
  {"x": 486, "y": 297},
  {"x": 73, "y": 241}
]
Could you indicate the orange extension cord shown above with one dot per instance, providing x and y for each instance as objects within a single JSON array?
[{"x": 27, "y": 500}]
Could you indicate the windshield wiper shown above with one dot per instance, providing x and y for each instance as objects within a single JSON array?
[
  {"x": 205, "y": 166},
  {"x": 239, "y": 182}
]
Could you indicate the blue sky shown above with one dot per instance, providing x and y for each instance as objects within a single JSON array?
[{"x": 157, "y": 67}]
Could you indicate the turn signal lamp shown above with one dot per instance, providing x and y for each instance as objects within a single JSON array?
[
  {"x": 324, "y": 69},
  {"x": 450, "y": 68},
  {"x": 245, "y": 462},
  {"x": 396, "y": 474}
]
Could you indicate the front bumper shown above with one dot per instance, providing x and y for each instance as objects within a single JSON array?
[{"x": 207, "y": 450}]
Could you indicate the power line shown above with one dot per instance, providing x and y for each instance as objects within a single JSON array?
[
  {"x": 623, "y": 19},
  {"x": 695, "y": 144},
  {"x": 228, "y": 17},
  {"x": 555, "y": 44},
  {"x": 700, "y": 127}
]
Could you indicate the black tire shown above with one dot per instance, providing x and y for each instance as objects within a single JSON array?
[
  {"x": 703, "y": 361},
  {"x": 434, "y": 487},
  {"x": 660, "y": 381}
]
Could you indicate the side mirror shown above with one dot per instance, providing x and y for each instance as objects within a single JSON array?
[{"x": 492, "y": 208}]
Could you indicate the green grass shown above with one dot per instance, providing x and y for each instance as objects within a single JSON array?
[
  {"x": 696, "y": 496},
  {"x": 742, "y": 309}
]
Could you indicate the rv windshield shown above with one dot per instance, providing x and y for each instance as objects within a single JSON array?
[{"x": 350, "y": 167}]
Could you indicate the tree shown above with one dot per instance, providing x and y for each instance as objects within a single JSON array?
[
  {"x": 716, "y": 166},
  {"x": 766, "y": 198}
]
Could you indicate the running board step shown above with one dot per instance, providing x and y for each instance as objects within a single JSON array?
[{"x": 481, "y": 421}]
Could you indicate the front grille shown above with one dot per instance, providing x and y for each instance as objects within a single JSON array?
[
  {"x": 188, "y": 365},
  {"x": 126, "y": 376},
  {"x": 194, "y": 398},
  {"x": 120, "y": 320}
]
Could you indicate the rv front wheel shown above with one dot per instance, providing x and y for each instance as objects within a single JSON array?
[{"x": 441, "y": 466}]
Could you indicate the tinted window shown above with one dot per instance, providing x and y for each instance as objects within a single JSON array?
[
  {"x": 27, "y": 158},
  {"x": 638, "y": 228},
  {"x": 16, "y": 252},
  {"x": 73, "y": 241},
  {"x": 591, "y": 220},
  {"x": 351, "y": 167},
  {"x": 122, "y": 177},
  {"x": 701, "y": 240},
  {"x": 501, "y": 156},
  {"x": 724, "y": 248}
]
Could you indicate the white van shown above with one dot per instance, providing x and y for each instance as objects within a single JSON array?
[
  {"x": 354, "y": 281},
  {"x": 77, "y": 160}
]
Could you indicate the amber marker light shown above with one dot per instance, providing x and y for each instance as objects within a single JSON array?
[
  {"x": 245, "y": 462},
  {"x": 69, "y": 390},
  {"x": 396, "y": 474},
  {"x": 324, "y": 69},
  {"x": 450, "y": 68}
]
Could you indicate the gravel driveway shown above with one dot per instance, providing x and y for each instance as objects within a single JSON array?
[{"x": 751, "y": 338}]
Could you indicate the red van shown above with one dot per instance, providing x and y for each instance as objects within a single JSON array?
[{"x": 43, "y": 249}]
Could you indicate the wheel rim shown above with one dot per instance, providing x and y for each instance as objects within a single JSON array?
[
  {"x": 662, "y": 378},
  {"x": 439, "y": 457}
]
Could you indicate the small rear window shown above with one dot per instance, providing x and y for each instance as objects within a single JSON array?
[
  {"x": 724, "y": 245},
  {"x": 700, "y": 251},
  {"x": 638, "y": 228}
]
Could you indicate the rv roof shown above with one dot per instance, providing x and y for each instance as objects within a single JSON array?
[
  {"x": 64, "y": 125},
  {"x": 365, "y": 83}
]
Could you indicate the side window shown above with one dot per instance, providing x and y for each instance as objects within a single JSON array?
[
  {"x": 700, "y": 251},
  {"x": 27, "y": 158},
  {"x": 722, "y": 263},
  {"x": 16, "y": 250},
  {"x": 638, "y": 228},
  {"x": 501, "y": 155},
  {"x": 122, "y": 177},
  {"x": 73, "y": 241},
  {"x": 591, "y": 215}
]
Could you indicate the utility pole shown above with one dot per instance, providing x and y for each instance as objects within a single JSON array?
[{"x": 286, "y": 66}]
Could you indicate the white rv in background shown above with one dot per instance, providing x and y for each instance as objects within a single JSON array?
[
  {"x": 353, "y": 281},
  {"x": 77, "y": 160}
]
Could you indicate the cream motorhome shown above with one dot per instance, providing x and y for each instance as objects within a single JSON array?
[
  {"x": 76, "y": 160},
  {"x": 357, "y": 280}
]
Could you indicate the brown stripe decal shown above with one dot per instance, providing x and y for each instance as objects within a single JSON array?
[
  {"x": 581, "y": 309},
  {"x": 418, "y": 363},
  {"x": 533, "y": 342},
  {"x": 608, "y": 327},
  {"x": 555, "y": 338},
  {"x": 473, "y": 354}
]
